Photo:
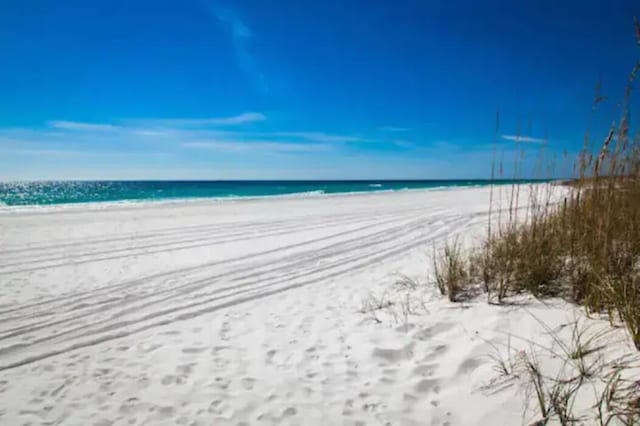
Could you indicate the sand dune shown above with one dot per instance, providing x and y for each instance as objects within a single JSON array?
[{"x": 244, "y": 312}]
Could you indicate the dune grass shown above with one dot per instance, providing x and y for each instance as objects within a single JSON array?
[
  {"x": 584, "y": 247},
  {"x": 581, "y": 243},
  {"x": 451, "y": 271},
  {"x": 575, "y": 380}
]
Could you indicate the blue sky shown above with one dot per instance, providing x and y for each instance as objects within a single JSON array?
[{"x": 340, "y": 89}]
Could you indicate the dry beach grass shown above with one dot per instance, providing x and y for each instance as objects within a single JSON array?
[{"x": 583, "y": 247}]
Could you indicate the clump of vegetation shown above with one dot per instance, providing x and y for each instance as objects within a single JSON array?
[
  {"x": 575, "y": 381},
  {"x": 450, "y": 270},
  {"x": 580, "y": 242},
  {"x": 398, "y": 302},
  {"x": 584, "y": 247}
]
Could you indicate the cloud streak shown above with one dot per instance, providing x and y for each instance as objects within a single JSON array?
[
  {"x": 524, "y": 139},
  {"x": 236, "y": 120},
  {"x": 247, "y": 117},
  {"x": 241, "y": 35},
  {"x": 259, "y": 145},
  {"x": 320, "y": 137},
  {"x": 244, "y": 118},
  {"x": 76, "y": 125},
  {"x": 176, "y": 136}
]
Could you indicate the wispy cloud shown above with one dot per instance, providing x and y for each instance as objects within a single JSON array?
[
  {"x": 247, "y": 117},
  {"x": 73, "y": 138},
  {"x": 160, "y": 127},
  {"x": 241, "y": 35},
  {"x": 320, "y": 137},
  {"x": 394, "y": 129},
  {"x": 524, "y": 139},
  {"x": 244, "y": 118},
  {"x": 177, "y": 130},
  {"x": 236, "y": 25},
  {"x": 76, "y": 125},
  {"x": 244, "y": 146}
]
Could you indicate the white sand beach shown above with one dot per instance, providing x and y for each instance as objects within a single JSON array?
[{"x": 247, "y": 312}]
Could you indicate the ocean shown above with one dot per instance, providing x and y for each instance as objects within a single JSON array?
[{"x": 65, "y": 192}]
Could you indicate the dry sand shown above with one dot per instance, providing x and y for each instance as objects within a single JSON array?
[{"x": 249, "y": 312}]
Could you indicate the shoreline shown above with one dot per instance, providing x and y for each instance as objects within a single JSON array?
[
  {"x": 149, "y": 202},
  {"x": 372, "y": 187}
]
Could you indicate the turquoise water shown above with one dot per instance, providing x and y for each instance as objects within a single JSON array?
[{"x": 63, "y": 192}]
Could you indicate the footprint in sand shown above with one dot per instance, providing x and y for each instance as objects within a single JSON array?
[
  {"x": 185, "y": 369},
  {"x": 311, "y": 353},
  {"x": 213, "y": 407},
  {"x": 433, "y": 331},
  {"x": 146, "y": 348},
  {"x": 222, "y": 410},
  {"x": 428, "y": 385},
  {"x": 98, "y": 372},
  {"x": 166, "y": 411},
  {"x": 193, "y": 350},
  {"x": 404, "y": 328},
  {"x": 385, "y": 380},
  {"x": 222, "y": 383},
  {"x": 290, "y": 411},
  {"x": 224, "y": 330},
  {"x": 389, "y": 371},
  {"x": 427, "y": 370},
  {"x": 129, "y": 405},
  {"x": 168, "y": 380},
  {"x": 104, "y": 407},
  {"x": 371, "y": 407},
  {"x": 352, "y": 375},
  {"x": 348, "y": 407},
  {"x": 436, "y": 352},
  {"x": 248, "y": 383},
  {"x": 269, "y": 356},
  {"x": 143, "y": 382},
  {"x": 217, "y": 349},
  {"x": 409, "y": 397},
  {"x": 394, "y": 355},
  {"x": 469, "y": 365}
]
